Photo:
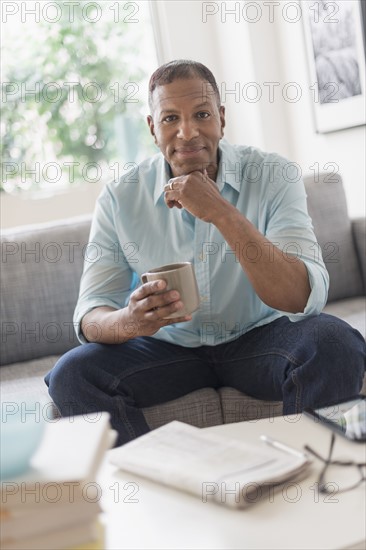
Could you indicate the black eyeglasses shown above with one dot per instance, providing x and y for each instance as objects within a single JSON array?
[{"x": 327, "y": 487}]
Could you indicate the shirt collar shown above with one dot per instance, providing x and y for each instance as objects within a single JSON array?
[
  {"x": 164, "y": 174},
  {"x": 229, "y": 167},
  {"x": 229, "y": 170}
]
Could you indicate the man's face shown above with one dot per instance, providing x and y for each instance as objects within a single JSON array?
[{"x": 187, "y": 125}]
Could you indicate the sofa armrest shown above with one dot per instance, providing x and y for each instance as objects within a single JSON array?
[{"x": 359, "y": 236}]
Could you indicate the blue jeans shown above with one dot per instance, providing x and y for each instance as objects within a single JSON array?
[{"x": 306, "y": 364}]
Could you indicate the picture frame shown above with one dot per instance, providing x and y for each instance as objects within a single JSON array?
[{"x": 334, "y": 35}]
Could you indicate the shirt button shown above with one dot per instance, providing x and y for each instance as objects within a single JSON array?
[{"x": 201, "y": 257}]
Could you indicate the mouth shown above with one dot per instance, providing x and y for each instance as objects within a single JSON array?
[{"x": 187, "y": 152}]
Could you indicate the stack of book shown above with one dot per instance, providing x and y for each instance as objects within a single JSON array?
[{"x": 56, "y": 504}]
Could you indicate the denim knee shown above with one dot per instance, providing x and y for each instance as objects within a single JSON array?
[
  {"x": 343, "y": 351},
  {"x": 61, "y": 380}
]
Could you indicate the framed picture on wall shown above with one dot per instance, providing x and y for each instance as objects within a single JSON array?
[{"x": 335, "y": 43}]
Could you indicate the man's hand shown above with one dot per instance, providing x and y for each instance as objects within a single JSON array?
[
  {"x": 143, "y": 316},
  {"x": 149, "y": 310},
  {"x": 195, "y": 192}
]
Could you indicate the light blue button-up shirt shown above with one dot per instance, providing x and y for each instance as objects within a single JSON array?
[{"x": 133, "y": 231}]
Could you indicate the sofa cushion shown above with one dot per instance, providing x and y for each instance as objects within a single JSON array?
[
  {"x": 328, "y": 210},
  {"x": 237, "y": 406},
  {"x": 359, "y": 236},
  {"x": 41, "y": 270},
  {"x": 200, "y": 408},
  {"x": 353, "y": 311},
  {"x": 20, "y": 381}
]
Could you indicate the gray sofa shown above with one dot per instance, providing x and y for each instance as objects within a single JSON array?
[{"x": 41, "y": 269}]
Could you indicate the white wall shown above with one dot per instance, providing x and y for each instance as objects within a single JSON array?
[
  {"x": 239, "y": 52},
  {"x": 190, "y": 33},
  {"x": 345, "y": 148}
]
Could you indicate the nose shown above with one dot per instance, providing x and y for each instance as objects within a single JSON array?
[{"x": 187, "y": 130}]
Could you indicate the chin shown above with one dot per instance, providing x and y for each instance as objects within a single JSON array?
[{"x": 188, "y": 167}]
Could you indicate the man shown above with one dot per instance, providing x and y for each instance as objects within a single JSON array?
[{"x": 240, "y": 216}]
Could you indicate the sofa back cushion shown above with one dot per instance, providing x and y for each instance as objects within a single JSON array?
[
  {"x": 41, "y": 270},
  {"x": 328, "y": 209}
]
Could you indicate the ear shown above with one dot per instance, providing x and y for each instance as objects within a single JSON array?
[
  {"x": 222, "y": 119},
  {"x": 150, "y": 123}
]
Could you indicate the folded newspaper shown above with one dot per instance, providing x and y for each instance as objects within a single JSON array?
[{"x": 208, "y": 465}]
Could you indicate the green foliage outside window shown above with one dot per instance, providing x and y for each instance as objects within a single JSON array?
[{"x": 73, "y": 98}]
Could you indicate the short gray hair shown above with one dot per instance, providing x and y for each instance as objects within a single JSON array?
[{"x": 181, "y": 69}]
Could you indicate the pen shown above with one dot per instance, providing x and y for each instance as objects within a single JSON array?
[{"x": 282, "y": 447}]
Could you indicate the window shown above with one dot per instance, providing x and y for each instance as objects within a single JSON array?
[{"x": 74, "y": 92}]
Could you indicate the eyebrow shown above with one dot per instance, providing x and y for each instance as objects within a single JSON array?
[{"x": 204, "y": 104}]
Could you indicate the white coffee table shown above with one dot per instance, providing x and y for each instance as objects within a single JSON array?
[{"x": 297, "y": 518}]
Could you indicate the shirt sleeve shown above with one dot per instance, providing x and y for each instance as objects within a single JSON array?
[
  {"x": 290, "y": 229},
  {"x": 107, "y": 279}
]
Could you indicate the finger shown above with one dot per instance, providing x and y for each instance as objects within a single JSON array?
[
  {"x": 160, "y": 300},
  {"x": 149, "y": 288},
  {"x": 158, "y": 313},
  {"x": 171, "y": 195},
  {"x": 172, "y": 204},
  {"x": 172, "y": 184},
  {"x": 161, "y": 303},
  {"x": 172, "y": 199}
]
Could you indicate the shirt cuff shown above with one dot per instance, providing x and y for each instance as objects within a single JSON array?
[{"x": 318, "y": 280}]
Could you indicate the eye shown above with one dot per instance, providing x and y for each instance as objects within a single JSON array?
[
  {"x": 169, "y": 118},
  {"x": 203, "y": 114}
]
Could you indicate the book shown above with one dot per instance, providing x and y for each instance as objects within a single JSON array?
[
  {"x": 55, "y": 504},
  {"x": 64, "y": 467},
  {"x": 26, "y": 522},
  {"x": 75, "y": 535},
  {"x": 96, "y": 543},
  {"x": 207, "y": 465},
  {"x": 89, "y": 536}
]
